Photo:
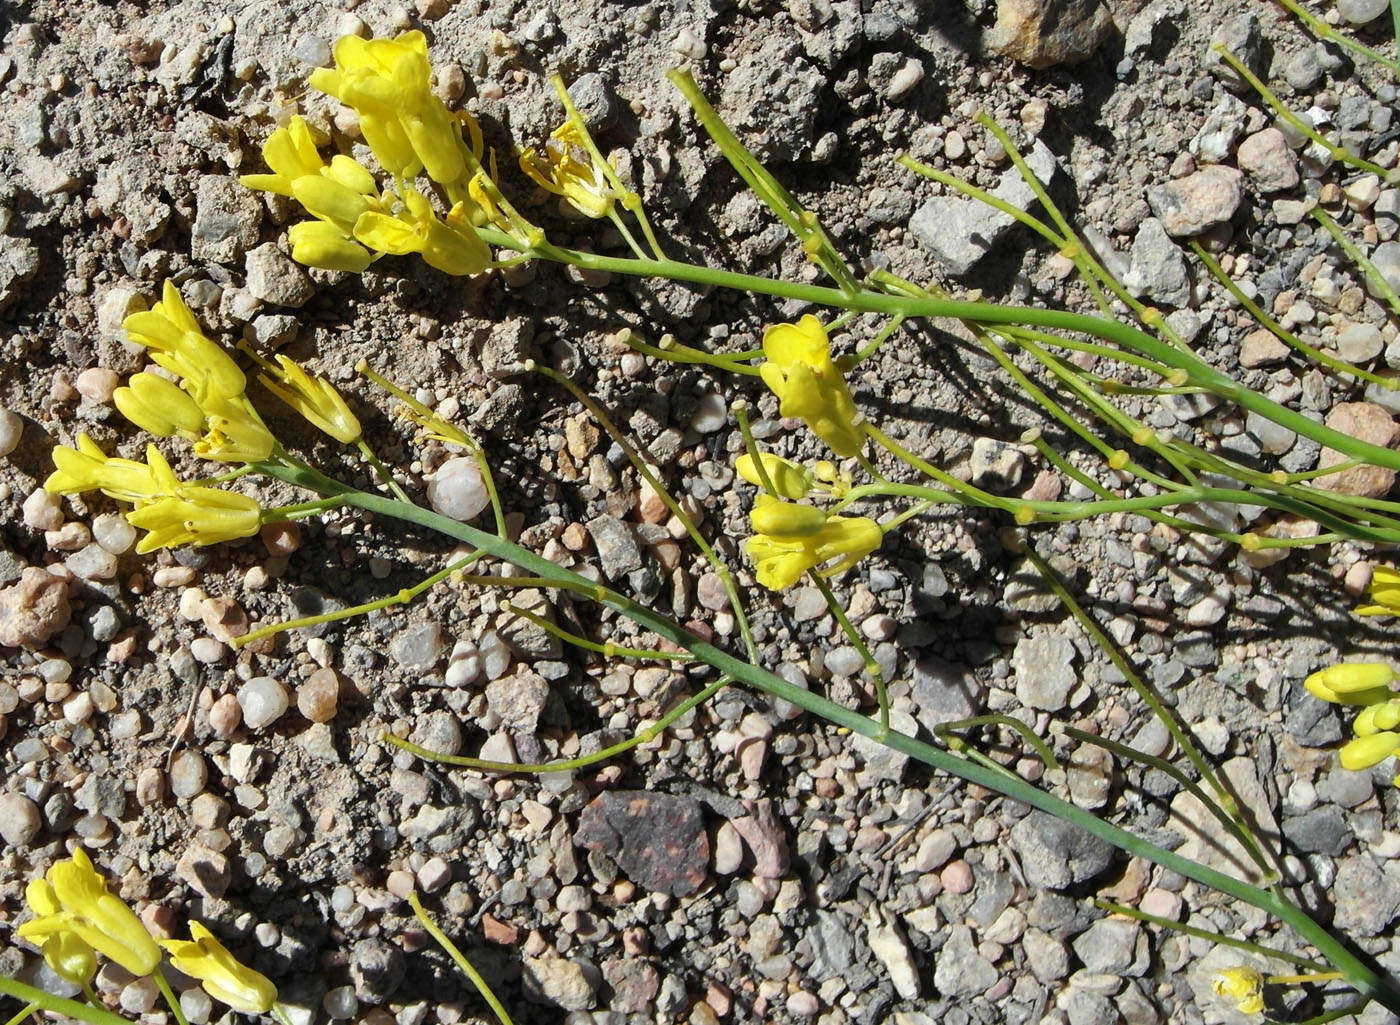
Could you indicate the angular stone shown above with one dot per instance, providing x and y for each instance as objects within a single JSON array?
[
  {"x": 1190, "y": 205},
  {"x": 1044, "y": 33},
  {"x": 659, "y": 840},
  {"x": 1365, "y": 421}
]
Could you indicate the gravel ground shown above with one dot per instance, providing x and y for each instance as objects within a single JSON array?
[{"x": 750, "y": 864}]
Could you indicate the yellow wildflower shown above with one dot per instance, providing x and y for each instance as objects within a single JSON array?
[
  {"x": 1364, "y": 752},
  {"x": 75, "y": 901},
  {"x": 1352, "y": 683},
  {"x": 195, "y": 516},
  {"x": 314, "y": 398},
  {"x": 169, "y": 330},
  {"x": 160, "y": 406},
  {"x": 801, "y": 373},
  {"x": 788, "y": 479},
  {"x": 568, "y": 170},
  {"x": 66, "y": 952},
  {"x": 88, "y": 468},
  {"x": 1385, "y": 593},
  {"x": 451, "y": 245},
  {"x": 222, "y": 975},
  {"x": 800, "y": 543},
  {"x": 1243, "y": 985}
]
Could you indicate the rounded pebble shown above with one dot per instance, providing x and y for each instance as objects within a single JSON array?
[
  {"x": 263, "y": 700},
  {"x": 188, "y": 773},
  {"x": 319, "y": 696},
  {"x": 207, "y": 650},
  {"x": 196, "y": 1005},
  {"x": 225, "y": 716},
  {"x": 19, "y": 819},
  {"x": 340, "y": 1003},
  {"x": 956, "y": 877},
  {"x": 457, "y": 490},
  {"x": 711, "y": 413},
  {"x": 139, "y": 996},
  {"x": 11, "y": 429},
  {"x": 41, "y": 511},
  {"x": 96, "y": 384},
  {"x": 803, "y": 1005},
  {"x": 113, "y": 533}
]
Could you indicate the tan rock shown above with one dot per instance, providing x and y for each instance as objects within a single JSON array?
[
  {"x": 33, "y": 610},
  {"x": 1044, "y": 33},
  {"x": 1261, "y": 348},
  {"x": 1365, "y": 421}
]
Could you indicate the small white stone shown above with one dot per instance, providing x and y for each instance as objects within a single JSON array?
[
  {"x": 140, "y": 996},
  {"x": 263, "y": 701},
  {"x": 41, "y": 511},
  {"x": 206, "y": 650},
  {"x": 196, "y": 1005},
  {"x": 78, "y": 707},
  {"x": 711, "y": 413},
  {"x": 188, "y": 774},
  {"x": 114, "y": 533},
  {"x": 93, "y": 562},
  {"x": 457, "y": 490},
  {"x": 11, "y": 428}
]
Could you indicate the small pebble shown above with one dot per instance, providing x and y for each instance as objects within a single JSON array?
[
  {"x": 19, "y": 819},
  {"x": 711, "y": 413},
  {"x": 340, "y": 1003},
  {"x": 263, "y": 700},
  {"x": 113, "y": 533},
  {"x": 319, "y": 696},
  {"x": 434, "y": 875},
  {"x": 457, "y": 491},
  {"x": 956, "y": 876},
  {"x": 41, "y": 511},
  {"x": 225, "y": 716},
  {"x": 139, "y": 996},
  {"x": 188, "y": 773},
  {"x": 206, "y": 650},
  {"x": 197, "y": 1005},
  {"x": 96, "y": 384},
  {"x": 803, "y": 1004},
  {"x": 11, "y": 428}
]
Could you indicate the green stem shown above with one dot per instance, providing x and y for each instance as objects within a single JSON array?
[
  {"x": 1029, "y": 735},
  {"x": 872, "y": 668},
  {"x": 170, "y": 997},
  {"x": 25, "y": 1012},
  {"x": 382, "y": 470},
  {"x": 90, "y": 1013},
  {"x": 1206, "y": 934},
  {"x": 607, "y": 649},
  {"x": 1358, "y": 973},
  {"x": 468, "y": 969}
]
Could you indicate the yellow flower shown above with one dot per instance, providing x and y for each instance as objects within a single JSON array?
[
  {"x": 176, "y": 342},
  {"x": 222, "y": 975},
  {"x": 451, "y": 245},
  {"x": 1352, "y": 683},
  {"x": 388, "y": 82},
  {"x": 236, "y": 432},
  {"x": 788, "y": 479},
  {"x": 88, "y": 468},
  {"x": 66, "y": 952},
  {"x": 291, "y": 153},
  {"x": 323, "y": 245},
  {"x": 1366, "y": 751},
  {"x": 1385, "y": 593},
  {"x": 1377, "y": 718},
  {"x": 1243, "y": 985},
  {"x": 801, "y": 543},
  {"x": 314, "y": 398},
  {"x": 160, "y": 406},
  {"x": 195, "y": 515},
  {"x": 75, "y": 901},
  {"x": 801, "y": 373},
  {"x": 569, "y": 170}
]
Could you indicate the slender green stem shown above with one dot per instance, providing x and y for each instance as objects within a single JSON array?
[
  {"x": 721, "y": 568},
  {"x": 170, "y": 997},
  {"x": 1207, "y": 934},
  {"x": 607, "y": 649},
  {"x": 1358, "y": 973},
  {"x": 568, "y": 764},
  {"x": 872, "y": 668},
  {"x": 94, "y": 1014},
  {"x": 1328, "y": 34},
  {"x": 382, "y": 470},
  {"x": 1027, "y": 734},
  {"x": 1374, "y": 277},
  {"x": 468, "y": 969},
  {"x": 25, "y": 1012}
]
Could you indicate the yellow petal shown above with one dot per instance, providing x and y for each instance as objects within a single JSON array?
[
  {"x": 1364, "y": 752},
  {"x": 785, "y": 521}
]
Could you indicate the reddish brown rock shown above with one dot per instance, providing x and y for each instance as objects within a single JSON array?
[{"x": 657, "y": 839}]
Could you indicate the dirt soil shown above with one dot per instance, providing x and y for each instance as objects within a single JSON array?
[{"x": 750, "y": 864}]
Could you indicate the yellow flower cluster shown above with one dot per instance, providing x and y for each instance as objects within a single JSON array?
[
  {"x": 174, "y": 512},
  {"x": 409, "y": 130},
  {"x": 790, "y": 539},
  {"x": 1385, "y": 593},
  {"x": 76, "y": 918},
  {"x": 809, "y": 386},
  {"x": 1376, "y": 727},
  {"x": 207, "y": 405},
  {"x": 568, "y": 170}
]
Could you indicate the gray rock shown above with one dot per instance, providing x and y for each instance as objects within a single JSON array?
[
  {"x": 996, "y": 465},
  {"x": 944, "y": 692},
  {"x": 1158, "y": 269},
  {"x": 1347, "y": 789},
  {"x": 417, "y": 647},
  {"x": 1083, "y": 1007},
  {"x": 274, "y": 278},
  {"x": 1216, "y": 139},
  {"x": 772, "y": 97},
  {"x": 1359, "y": 343},
  {"x": 594, "y": 98},
  {"x": 1366, "y": 899},
  {"x": 1143, "y": 35},
  {"x": 879, "y": 761},
  {"x": 1190, "y": 205},
  {"x": 519, "y": 700},
  {"x": 1044, "y": 33},
  {"x": 1303, "y": 70},
  {"x": 1056, "y": 854},
  {"x": 1242, "y": 37},
  {"x": 1323, "y": 830},
  {"x": 959, "y": 230},
  {"x": 618, "y": 553},
  {"x": 1108, "y": 946},
  {"x": 832, "y": 941},
  {"x": 1047, "y": 956},
  {"x": 958, "y": 969},
  {"x": 226, "y": 220},
  {"x": 1387, "y": 261},
  {"x": 377, "y": 968},
  {"x": 1044, "y": 667},
  {"x": 19, "y": 261}
]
